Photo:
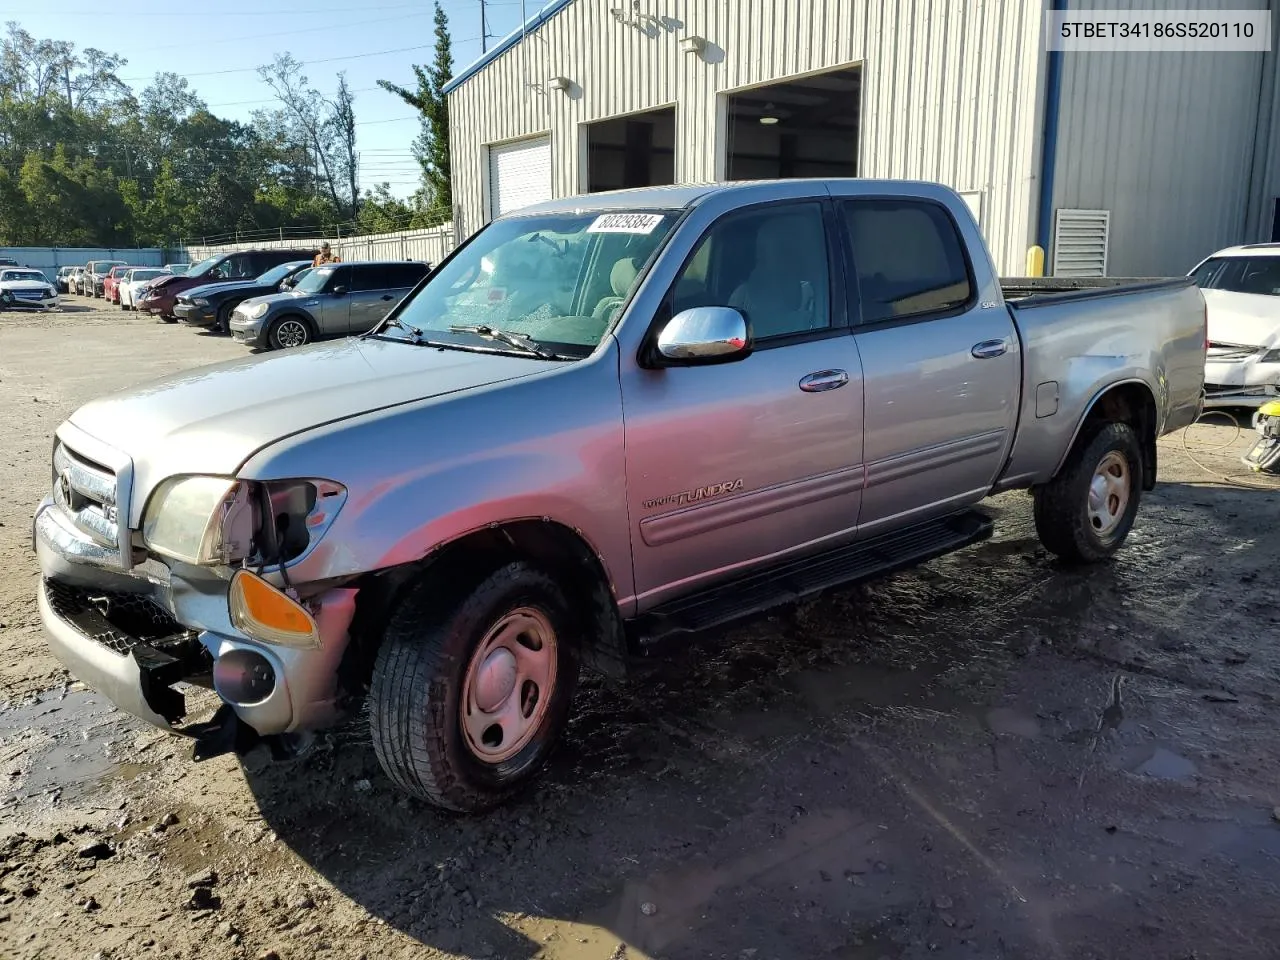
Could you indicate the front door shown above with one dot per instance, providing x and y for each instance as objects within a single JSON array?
[
  {"x": 333, "y": 312},
  {"x": 729, "y": 466},
  {"x": 942, "y": 369}
]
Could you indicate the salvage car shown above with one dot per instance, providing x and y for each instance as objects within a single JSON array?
[
  {"x": 111, "y": 283},
  {"x": 210, "y": 305},
  {"x": 695, "y": 403},
  {"x": 161, "y": 299},
  {"x": 95, "y": 276},
  {"x": 135, "y": 282},
  {"x": 334, "y": 300},
  {"x": 63, "y": 279},
  {"x": 1241, "y": 287},
  {"x": 24, "y": 287}
]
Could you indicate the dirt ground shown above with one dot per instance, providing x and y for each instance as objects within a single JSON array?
[{"x": 989, "y": 756}]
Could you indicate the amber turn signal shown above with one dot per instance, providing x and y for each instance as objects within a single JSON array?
[{"x": 261, "y": 611}]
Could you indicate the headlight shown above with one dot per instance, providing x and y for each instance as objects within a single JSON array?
[
  {"x": 1271, "y": 356},
  {"x": 200, "y": 302},
  {"x": 52, "y": 292},
  {"x": 257, "y": 311},
  {"x": 218, "y": 520},
  {"x": 188, "y": 519}
]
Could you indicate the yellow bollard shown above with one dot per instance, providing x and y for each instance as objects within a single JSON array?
[{"x": 1035, "y": 261}]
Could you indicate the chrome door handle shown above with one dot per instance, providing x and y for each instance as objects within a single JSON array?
[
  {"x": 823, "y": 380},
  {"x": 989, "y": 348}
]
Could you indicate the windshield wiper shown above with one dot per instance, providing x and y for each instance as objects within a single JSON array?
[
  {"x": 418, "y": 335},
  {"x": 521, "y": 341}
]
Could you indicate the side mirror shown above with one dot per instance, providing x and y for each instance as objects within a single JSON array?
[
  {"x": 704, "y": 335},
  {"x": 339, "y": 291}
]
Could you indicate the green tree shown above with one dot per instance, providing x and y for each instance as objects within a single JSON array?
[{"x": 432, "y": 145}]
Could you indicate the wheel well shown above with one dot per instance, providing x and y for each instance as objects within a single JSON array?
[
  {"x": 460, "y": 564},
  {"x": 311, "y": 324},
  {"x": 1130, "y": 403}
]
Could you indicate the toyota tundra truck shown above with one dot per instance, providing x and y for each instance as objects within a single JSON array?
[{"x": 604, "y": 423}]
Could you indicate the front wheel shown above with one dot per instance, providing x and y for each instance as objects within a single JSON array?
[
  {"x": 469, "y": 698},
  {"x": 223, "y": 323},
  {"x": 288, "y": 332},
  {"x": 1085, "y": 513}
]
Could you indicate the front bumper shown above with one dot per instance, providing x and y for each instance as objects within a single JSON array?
[
  {"x": 43, "y": 303},
  {"x": 194, "y": 315},
  {"x": 244, "y": 330},
  {"x": 131, "y": 635},
  {"x": 1240, "y": 383}
]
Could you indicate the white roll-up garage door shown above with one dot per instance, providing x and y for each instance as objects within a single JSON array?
[{"x": 519, "y": 174}]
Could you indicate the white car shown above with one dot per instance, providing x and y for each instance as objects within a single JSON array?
[
  {"x": 134, "y": 281},
  {"x": 26, "y": 288},
  {"x": 1241, "y": 287}
]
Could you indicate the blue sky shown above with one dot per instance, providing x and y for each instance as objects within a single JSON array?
[{"x": 218, "y": 45}]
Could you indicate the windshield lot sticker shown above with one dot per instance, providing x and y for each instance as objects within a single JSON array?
[
  {"x": 497, "y": 294},
  {"x": 625, "y": 223}
]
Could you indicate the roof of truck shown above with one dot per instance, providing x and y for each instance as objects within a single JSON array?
[{"x": 681, "y": 195}]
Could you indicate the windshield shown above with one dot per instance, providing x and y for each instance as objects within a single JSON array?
[
  {"x": 1240, "y": 275},
  {"x": 23, "y": 275},
  {"x": 203, "y": 265},
  {"x": 315, "y": 280},
  {"x": 558, "y": 279},
  {"x": 145, "y": 274},
  {"x": 276, "y": 274}
]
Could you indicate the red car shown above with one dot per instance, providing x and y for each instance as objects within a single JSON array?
[{"x": 111, "y": 285}]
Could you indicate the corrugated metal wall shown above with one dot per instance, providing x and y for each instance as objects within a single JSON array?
[
  {"x": 1165, "y": 141},
  {"x": 49, "y": 259},
  {"x": 950, "y": 91},
  {"x": 432, "y": 245}
]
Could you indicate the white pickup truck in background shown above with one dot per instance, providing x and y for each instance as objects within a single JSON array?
[{"x": 1241, "y": 287}]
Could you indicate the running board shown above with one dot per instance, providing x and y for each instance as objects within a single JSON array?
[{"x": 794, "y": 580}]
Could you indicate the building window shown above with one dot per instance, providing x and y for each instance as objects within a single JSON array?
[
  {"x": 637, "y": 150},
  {"x": 807, "y": 127}
]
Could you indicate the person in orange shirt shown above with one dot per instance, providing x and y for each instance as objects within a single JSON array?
[{"x": 326, "y": 255}]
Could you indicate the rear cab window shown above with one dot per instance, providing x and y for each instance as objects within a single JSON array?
[{"x": 908, "y": 258}]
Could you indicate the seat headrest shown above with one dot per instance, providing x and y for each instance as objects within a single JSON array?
[{"x": 622, "y": 276}]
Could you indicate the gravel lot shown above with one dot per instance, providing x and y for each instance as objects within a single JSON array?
[{"x": 989, "y": 756}]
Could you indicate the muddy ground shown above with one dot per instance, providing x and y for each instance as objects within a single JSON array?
[{"x": 989, "y": 756}]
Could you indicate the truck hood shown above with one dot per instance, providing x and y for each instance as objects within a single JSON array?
[
  {"x": 212, "y": 419},
  {"x": 1248, "y": 319}
]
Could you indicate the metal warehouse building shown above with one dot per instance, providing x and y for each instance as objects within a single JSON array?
[{"x": 1129, "y": 164}]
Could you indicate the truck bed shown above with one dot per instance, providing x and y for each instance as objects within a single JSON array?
[{"x": 1024, "y": 292}]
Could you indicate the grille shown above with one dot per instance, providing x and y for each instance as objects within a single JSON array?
[
  {"x": 117, "y": 621},
  {"x": 1213, "y": 388},
  {"x": 29, "y": 294},
  {"x": 86, "y": 492},
  {"x": 1231, "y": 351}
]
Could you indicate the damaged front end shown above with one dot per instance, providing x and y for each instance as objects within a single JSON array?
[{"x": 139, "y": 613}]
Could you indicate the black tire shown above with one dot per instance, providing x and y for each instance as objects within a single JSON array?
[
  {"x": 288, "y": 324},
  {"x": 223, "y": 324},
  {"x": 417, "y": 696},
  {"x": 164, "y": 318},
  {"x": 1062, "y": 506}
]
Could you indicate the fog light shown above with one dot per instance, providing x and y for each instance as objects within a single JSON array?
[{"x": 243, "y": 677}]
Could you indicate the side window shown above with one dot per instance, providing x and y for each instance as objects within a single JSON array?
[
  {"x": 341, "y": 277},
  {"x": 908, "y": 257},
  {"x": 771, "y": 264},
  {"x": 371, "y": 277},
  {"x": 406, "y": 275}
]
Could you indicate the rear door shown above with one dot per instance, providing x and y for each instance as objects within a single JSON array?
[{"x": 942, "y": 369}]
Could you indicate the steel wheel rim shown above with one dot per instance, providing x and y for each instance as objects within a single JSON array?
[
  {"x": 1108, "y": 493},
  {"x": 291, "y": 333},
  {"x": 509, "y": 685}
]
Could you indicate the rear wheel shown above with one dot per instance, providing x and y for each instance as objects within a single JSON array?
[
  {"x": 469, "y": 698},
  {"x": 288, "y": 332},
  {"x": 1085, "y": 513}
]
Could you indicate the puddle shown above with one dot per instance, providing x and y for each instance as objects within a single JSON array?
[
  {"x": 58, "y": 746},
  {"x": 1009, "y": 722},
  {"x": 1166, "y": 765}
]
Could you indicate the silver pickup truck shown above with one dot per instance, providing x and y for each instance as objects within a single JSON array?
[{"x": 603, "y": 422}]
